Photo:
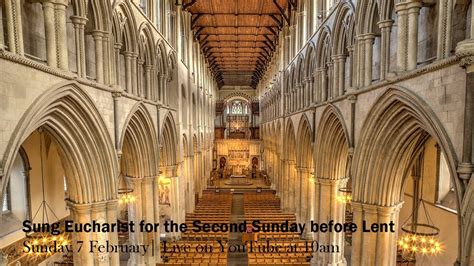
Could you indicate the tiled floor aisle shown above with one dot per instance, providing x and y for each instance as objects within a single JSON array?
[{"x": 237, "y": 215}]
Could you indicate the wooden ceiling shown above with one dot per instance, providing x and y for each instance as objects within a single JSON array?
[{"x": 238, "y": 37}]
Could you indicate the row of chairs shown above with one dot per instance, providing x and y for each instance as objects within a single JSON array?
[
  {"x": 211, "y": 208},
  {"x": 267, "y": 209}
]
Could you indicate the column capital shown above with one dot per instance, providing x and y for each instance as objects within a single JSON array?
[
  {"x": 385, "y": 23},
  {"x": 79, "y": 208},
  {"x": 79, "y": 20},
  {"x": 414, "y": 6}
]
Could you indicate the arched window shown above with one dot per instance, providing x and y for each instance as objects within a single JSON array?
[
  {"x": 3, "y": 23},
  {"x": 34, "y": 36}
]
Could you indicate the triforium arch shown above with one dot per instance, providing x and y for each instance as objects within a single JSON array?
[
  {"x": 331, "y": 173},
  {"x": 139, "y": 169},
  {"x": 68, "y": 115},
  {"x": 402, "y": 121},
  {"x": 304, "y": 169}
]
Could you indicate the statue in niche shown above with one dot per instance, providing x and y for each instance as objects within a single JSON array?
[{"x": 164, "y": 193}]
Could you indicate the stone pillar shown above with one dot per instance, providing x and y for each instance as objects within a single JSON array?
[
  {"x": 148, "y": 214},
  {"x": 339, "y": 74},
  {"x": 106, "y": 58},
  {"x": 330, "y": 209},
  {"x": 99, "y": 56},
  {"x": 147, "y": 87},
  {"x": 140, "y": 79},
  {"x": 81, "y": 213},
  {"x": 61, "y": 39},
  {"x": 128, "y": 71},
  {"x": 364, "y": 243},
  {"x": 14, "y": 29},
  {"x": 369, "y": 44},
  {"x": 79, "y": 25},
  {"x": 330, "y": 80},
  {"x": 324, "y": 85},
  {"x": 292, "y": 184},
  {"x": 385, "y": 29},
  {"x": 99, "y": 214},
  {"x": 360, "y": 62},
  {"x": 112, "y": 212},
  {"x": 298, "y": 184},
  {"x": 413, "y": 9},
  {"x": 135, "y": 214},
  {"x": 351, "y": 58},
  {"x": 134, "y": 66},
  {"x": 402, "y": 36},
  {"x": 156, "y": 213},
  {"x": 50, "y": 32},
  {"x": 117, "y": 47}
]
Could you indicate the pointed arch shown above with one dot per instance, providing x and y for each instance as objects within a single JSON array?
[
  {"x": 68, "y": 114},
  {"x": 332, "y": 146},
  {"x": 304, "y": 155},
  {"x": 168, "y": 142},
  {"x": 138, "y": 144},
  {"x": 399, "y": 120}
]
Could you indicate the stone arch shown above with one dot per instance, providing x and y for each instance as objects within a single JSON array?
[
  {"x": 399, "y": 118},
  {"x": 68, "y": 114},
  {"x": 343, "y": 35},
  {"x": 402, "y": 121},
  {"x": 168, "y": 142},
  {"x": 138, "y": 144},
  {"x": 304, "y": 155},
  {"x": 332, "y": 146}
]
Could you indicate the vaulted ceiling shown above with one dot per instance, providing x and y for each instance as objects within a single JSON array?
[{"x": 238, "y": 37}]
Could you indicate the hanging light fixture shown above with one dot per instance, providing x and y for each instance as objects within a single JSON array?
[
  {"x": 345, "y": 195},
  {"x": 125, "y": 194},
  {"x": 419, "y": 238},
  {"x": 44, "y": 239}
]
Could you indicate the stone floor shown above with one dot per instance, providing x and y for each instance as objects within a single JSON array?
[{"x": 237, "y": 215}]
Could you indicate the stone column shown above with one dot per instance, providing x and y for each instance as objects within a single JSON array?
[
  {"x": 14, "y": 29},
  {"x": 298, "y": 194},
  {"x": 445, "y": 28},
  {"x": 369, "y": 44},
  {"x": 117, "y": 48},
  {"x": 128, "y": 71},
  {"x": 140, "y": 79},
  {"x": 324, "y": 85},
  {"x": 61, "y": 40},
  {"x": 339, "y": 74},
  {"x": 330, "y": 209},
  {"x": 135, "y": 214},
  {"x": 106, "y": 58},
  {"x": 147, "y": 86},
  {"x": 81, "y": 213},
  {"x": 79, "y": 25},
  {"x": 112, "y": 212},
  {"x": 148, "y": 214},
  {"x": 351, "y": 58},
  {"x": 299, "y": 89},
  {"x": 292, "y": 184},
  {"x": 364, "y": 243},
  {"x": 385, "y": 29},
  {"x": 99, "y": 214},
  {"x": 402, "y": 36},
  {"x": 99, "y": 56},
  {"x": 413, "y": 8},
  {"x": 156, "y": 214},
  {"x": 50, "y": 32},
  {"x": 134, "y": 74},
  {"x": 360, "y": 62}
]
